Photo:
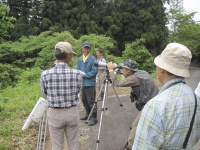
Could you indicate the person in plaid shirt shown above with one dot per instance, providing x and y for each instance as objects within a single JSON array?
[
  {"x": 165, "y": 119},
  {"x": 61, "y": 86}
]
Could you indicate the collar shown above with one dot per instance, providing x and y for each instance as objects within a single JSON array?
[{"x": 171, "y": 83}]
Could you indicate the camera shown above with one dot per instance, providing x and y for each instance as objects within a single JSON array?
[{"x": 98, "y": 63}]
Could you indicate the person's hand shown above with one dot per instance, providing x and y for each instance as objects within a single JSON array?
[
  {"x": 82, "y": 73},
  {"x": 110, "y": 66}
]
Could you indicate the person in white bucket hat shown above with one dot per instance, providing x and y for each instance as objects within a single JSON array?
[{"x": 165, "y": 119}]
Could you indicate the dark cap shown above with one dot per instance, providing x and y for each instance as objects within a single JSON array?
[
  {"x": 129, "y": 64},
  {"x": 86, "y": 44}
]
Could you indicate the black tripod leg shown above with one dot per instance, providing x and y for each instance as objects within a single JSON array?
[{"x": 95, "y": 104}]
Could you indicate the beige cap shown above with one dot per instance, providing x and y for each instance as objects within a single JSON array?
[
  {"x": 176, "y": 59},
  {"x": 64, "y": 47}
]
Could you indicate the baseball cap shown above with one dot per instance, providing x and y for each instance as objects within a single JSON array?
[
  {"x": 64, "y": 47},
  {"x": 176, "y": 59},
  {"x": 86, "y": 44}
]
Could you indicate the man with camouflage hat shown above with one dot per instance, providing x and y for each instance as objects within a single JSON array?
[{"x": 143, "y": 89}]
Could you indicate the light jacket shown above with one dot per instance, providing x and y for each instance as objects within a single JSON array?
[{"x": 89, "y": 69}]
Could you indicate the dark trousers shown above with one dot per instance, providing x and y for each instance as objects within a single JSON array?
[{"x": 88, "y": 98}]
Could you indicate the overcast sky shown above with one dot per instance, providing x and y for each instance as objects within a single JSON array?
[{"x": 193, "y": 5}]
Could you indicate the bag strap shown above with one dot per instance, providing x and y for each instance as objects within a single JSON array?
[{"x": 191, "y": 124}]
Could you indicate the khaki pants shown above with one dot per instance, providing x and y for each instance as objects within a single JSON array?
[
  {"x": 63, "y": 122},
  {"x": 133, "y": 130}
]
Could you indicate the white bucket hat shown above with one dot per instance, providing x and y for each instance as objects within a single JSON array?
[{"x": 175, "y": 58}]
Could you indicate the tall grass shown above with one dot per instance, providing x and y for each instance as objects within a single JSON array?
[{"x": 15, "y": 106}]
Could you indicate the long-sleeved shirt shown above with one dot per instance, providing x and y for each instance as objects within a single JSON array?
[
  {"x": 131, "y": 80},
  {"x": 61, "y": 85},
  {"x": 89, "y": 69},
  {"x": 165, "y": 119}
]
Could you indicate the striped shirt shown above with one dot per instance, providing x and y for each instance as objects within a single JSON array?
[
  {"x": 166, "y": 118},
  {"x": 61, "y": 85}
]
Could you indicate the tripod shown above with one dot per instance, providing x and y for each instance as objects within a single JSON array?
[{"x": 104, "y": 101}]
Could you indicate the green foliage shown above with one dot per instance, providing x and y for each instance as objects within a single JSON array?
[
  {"x": 15, "y": 106},
  {"x": 38, "y": 52},
  {"x": 46, "y": 56},
  {"x": 8, "y": 75},
  {"x": 5, "y": 22},
  {"x": 123, "y": 21},
  {"x": 185, "y": 31},
  {"x": 137, "y": 51},
  {"x": 29, "y": 52},
  {"x": 29, "y": 75},
  {"x": 114, "y": 59},
  {"x": 97, "y": 41},
  {"x": 189, "y": 35}
]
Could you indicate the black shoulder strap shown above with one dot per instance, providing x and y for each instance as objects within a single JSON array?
[{"x": 191, "y": 124}]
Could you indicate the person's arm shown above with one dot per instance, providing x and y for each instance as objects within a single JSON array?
[
  {"x": 127, "y": 82},
  {"x": 42, "y": 84},
  {"x": 149, "y": 133},
  {"x": 80, "y": 80},
  {"x": 197, "y": 90}
]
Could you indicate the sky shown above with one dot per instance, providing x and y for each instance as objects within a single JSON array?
[{"x": 192, "y": 6}]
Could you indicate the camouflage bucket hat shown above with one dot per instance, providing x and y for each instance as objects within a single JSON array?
[{"x": 129, "y": 64}]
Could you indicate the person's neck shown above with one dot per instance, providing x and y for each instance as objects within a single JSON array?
[
  {"x": 168, "y": 78},
  {"x": 86, "y": 54},
  {"x": 64, "y": 61}
]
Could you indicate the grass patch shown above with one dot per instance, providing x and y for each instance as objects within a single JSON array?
[{"x": 15, "y": 106}]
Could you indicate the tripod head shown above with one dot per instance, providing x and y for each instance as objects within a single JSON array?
[{"x": 107, "y": 76}]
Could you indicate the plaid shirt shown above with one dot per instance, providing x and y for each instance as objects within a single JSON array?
[
  {"x": 166, "y": 118},
  {"x": 61, "y": 85}
]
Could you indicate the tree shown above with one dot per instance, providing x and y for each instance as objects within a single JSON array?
[
  {"x": 189, "y": 35},
  {"x": 138, "y": 52},
  {"x": 124, "y": 21},
  {"x": 6, "y": 22},
  {"x": 177, "y": 18},
  {"x": 20, "y": 10},
  {"x": 185, "y": 30},
  {"x": 143, "y": 19}
]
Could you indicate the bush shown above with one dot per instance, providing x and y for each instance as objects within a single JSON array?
[{"x": 137, "y": 51}]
